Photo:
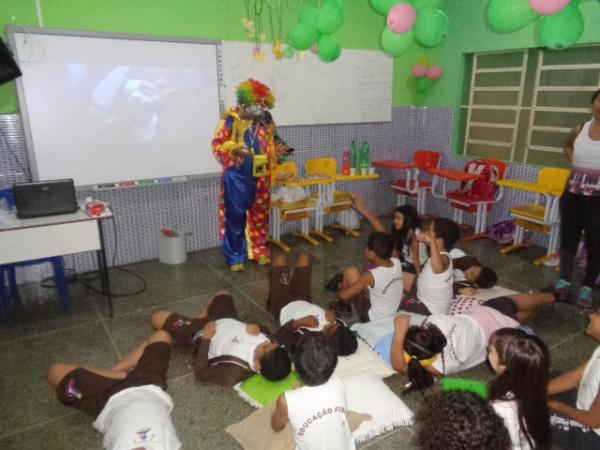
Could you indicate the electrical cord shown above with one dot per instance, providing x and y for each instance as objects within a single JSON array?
[{"x": 87, "y": 278}]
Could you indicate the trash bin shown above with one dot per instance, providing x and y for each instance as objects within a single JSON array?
[{"x": 171, "y": 247}]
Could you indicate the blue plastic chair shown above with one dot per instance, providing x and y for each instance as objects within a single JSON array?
[{"x": 13, "y": 293}]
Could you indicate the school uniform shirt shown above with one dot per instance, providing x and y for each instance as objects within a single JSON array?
[
  {"x": 138, "y": 417},
  {"x": 467, "y": 344},
  {"x": 508, "y": 410},
  {"x": 300, "y": 308},
  {"x": 434, "y": 290},
  {"x": 457, "y": 274},
  {"x": 231, "y": 338},
  {"x": 590, "y": 383},
  {"x": 386, "y": 294},
  {"x": 317, "y": 416},
  {"x": 585, "y": 176},
  {"x": 407, "y": 252}
]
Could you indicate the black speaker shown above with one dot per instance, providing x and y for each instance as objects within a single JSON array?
[{"x": 8, "y": 67}]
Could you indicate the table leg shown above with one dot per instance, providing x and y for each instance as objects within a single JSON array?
[{"x": 103, "y": 269}]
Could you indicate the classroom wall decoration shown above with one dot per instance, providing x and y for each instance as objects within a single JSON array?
[
  {"x": 426, "y": 76},
  {"x": 411, "y": 20},
  {"x": 316, "y": 26},
  {"x": 559, "y": 22}
]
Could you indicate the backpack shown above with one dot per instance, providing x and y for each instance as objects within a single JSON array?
[
  {"x": 503, "y": 232},
  {"x": 483, "y": 187}
]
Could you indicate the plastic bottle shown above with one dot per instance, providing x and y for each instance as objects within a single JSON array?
[
  {"x": 353, "y": 157},
  {"x": 364, "y": 160},
  {"x": 346, "y": 163}
]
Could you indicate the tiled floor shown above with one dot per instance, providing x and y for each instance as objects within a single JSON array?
[{"x": 31, "y": 418}]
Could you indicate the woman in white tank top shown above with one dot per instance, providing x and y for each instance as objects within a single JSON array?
[{"x": 580, "y": 206}]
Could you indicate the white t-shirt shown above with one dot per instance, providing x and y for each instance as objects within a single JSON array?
[
  {"x": 318, "y": 417},
  {"x": 231, "y": 338},
  {"x": 590, "y": 382},
  {"x": 386, "y": 294},
  {"x": 508, "y": 410},
  {"x": 466, "y": 346},
  {"x": 457, "y": 274},
  {"x": 435, "y": 289},
  {"x": 300, "y": 308},
  {"x": 138, "y": 417},
  {"x": 407, "y": 255}
]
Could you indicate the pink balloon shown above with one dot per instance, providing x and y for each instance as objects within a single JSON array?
[
  {"x": 402, "y": 18},
  {"x": 548, "y": 7},
  {"x": 419, "y": 71},
  {"x": 434, "y": 72}
]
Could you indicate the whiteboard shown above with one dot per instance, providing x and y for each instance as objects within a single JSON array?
[
  {"x": 103, "y": 108},
  {"x": 357, "y": 87}
]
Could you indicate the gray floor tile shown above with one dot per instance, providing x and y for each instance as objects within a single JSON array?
[
  {"x": 26, "y": 397},
  {"x": 571, "y": 353},
  {"x": 400, "y": 438}
]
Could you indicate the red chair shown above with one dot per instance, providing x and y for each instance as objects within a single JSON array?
[
  {"x": 479, "y": 204},
  {"x": 413, "y": 185}
]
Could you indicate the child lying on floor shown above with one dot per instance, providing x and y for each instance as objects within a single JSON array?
[
  {"x": 290, "y": 302},
  {"x": 128, "y": 403},
  {"x": 225, "y": 350}
]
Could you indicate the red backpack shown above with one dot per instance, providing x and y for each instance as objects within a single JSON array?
[{"x": 485, "y": 186}]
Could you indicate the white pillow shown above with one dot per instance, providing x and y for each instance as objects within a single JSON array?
[
  {"x": 364, "y": 358},
  {"x": 367, "y": 393}
]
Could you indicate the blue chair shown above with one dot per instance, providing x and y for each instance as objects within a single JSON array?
[{"x": 13, "y": 293}]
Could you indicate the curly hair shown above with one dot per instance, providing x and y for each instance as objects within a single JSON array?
[
  {"x": 253, "y": 92},
  {"x": 459, "y": 420}
]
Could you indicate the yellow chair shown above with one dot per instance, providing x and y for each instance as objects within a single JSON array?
[
  {"x": 543, "y": 215},
  {"x": 335, "y": 201},
  {"x": 281, "y": 211}
]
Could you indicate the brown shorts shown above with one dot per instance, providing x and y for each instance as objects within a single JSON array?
[
  {"x": 182, "y": 328},
  {"x": 88, "y": 391},
  {"x": 286, "y": 287},
  {"x": 362, "y": 304}
]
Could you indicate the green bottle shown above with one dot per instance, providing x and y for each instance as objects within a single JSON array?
[
  {"x": 354, "y": 157},
  {"x": 364, "y": 159}
]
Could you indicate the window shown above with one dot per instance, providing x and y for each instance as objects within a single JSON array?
[{"x": 521, "y": 105}]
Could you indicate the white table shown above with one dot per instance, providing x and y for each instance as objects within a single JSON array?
[{"x": 64, "y": 234}]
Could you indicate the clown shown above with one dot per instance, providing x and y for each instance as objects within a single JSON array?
[{"x": 246, "y": 145}]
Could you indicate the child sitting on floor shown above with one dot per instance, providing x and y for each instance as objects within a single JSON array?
[
  {"x": 518, "y": 394},
  {"x": 434, "y": 283},
  {"x": 128, "y": 403},
  {"x": 376, "y": 293},
  {"x": 469, "y": 274},
  {"x": 576, "y": 420},
  {"x": 405, "y": 227},
  {"x": 290, "y": 302},
  {"x": 316, "y": 411},
  {"x": 225, "y": 350}
]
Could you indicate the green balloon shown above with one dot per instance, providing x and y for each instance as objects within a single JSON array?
[
  {"x": 431, "y": 27},
  {"x": 330, "y": 17},
  {"x": 342, "y": 5},
  {"x": 329, "y": 48},
  {"x": 424, "y": 84},
  {"x": 395, "y": 44},
  {"x": 289, "y": 52},
  {"x": 383, "y": 6},
  {"x": 302, "y": 36},
  {"x": 427, "y": 4},
  {"x": 309, "y": 16},
  {"x": 510, "y": 15},
  {"x": 561, "y": 30}
]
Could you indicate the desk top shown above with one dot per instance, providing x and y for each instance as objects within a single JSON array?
[
  {"x": 373, "y": 176},
  {"x": 393, "y": 164},
  {"x": 454, "y": 175},
  {"x": 12, "y": 222}
]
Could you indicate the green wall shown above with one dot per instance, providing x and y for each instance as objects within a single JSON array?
[
  {"x": 469, "y": 33},
  {"x": 214, "y": 19}
]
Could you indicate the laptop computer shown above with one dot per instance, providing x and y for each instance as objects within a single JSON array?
[{"x": 45, "y": 198}]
